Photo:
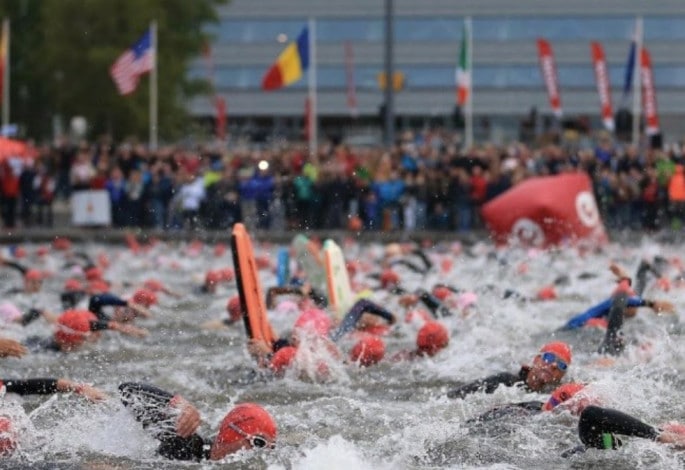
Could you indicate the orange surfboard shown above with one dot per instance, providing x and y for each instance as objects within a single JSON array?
[{"x": 252, "y": 301}]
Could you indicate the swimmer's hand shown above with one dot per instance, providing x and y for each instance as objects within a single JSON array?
[
  {"x": 618, "y": 271},
  {"x": 673, "y": 433},
  {"x": 259, "y": 348},
  {"x": 189, "y": 418},
  {"x": 662, "y": 306},
  {"x": 409, "y": 300},
  {"x": 91, "y": 393},
  {"x": 11, "y": 348},
  {"x": 128, "y": 330}
]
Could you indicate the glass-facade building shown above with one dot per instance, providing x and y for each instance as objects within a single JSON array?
[{"x": 507, "y": 81}]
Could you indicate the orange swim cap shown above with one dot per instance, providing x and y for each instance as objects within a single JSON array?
[
  {"x": 234, "y": 309},
  {"x": 212, "y": 277},
  {"x": 282, "y": 359},
  {"x": 33, "y": 275},
  {"x": 93, "y": 273},
  {"x": 432, "y": 337},
  {"x": 73, "y": 327},
  {"x": 154, "y": 285},
  {"x": 561, "y": 394},
  {"x": 8, "y": 438},
  {"x": 251, "y": 419},
  {"x": 73, "y": 285},
  {"x": 560, "y": 349},
  {"x": 314, "y": 319},
  {"x": 98, "y": 286},
  {"x": 547, "y": 293},
  {"x": 389, "y": 278},
  {"x": 441, "y": 292},
  {"x": 368, "y": 351},
  {"x": 145, "y": 297},
  {"x": 61, "y": 244}
]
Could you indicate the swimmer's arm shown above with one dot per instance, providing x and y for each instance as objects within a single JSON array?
[
  {"x": 13, "y": 265},
  {"x": 49, "y": 386},
  {"x": 658, "y": 306},
  {"x": 619, "y": 272},
  {"x": 596, "y": 311},
  {"x": 11, "y": 348},
  {"x": 487, "y": 385},
  {"x": 122, "y": 328},
  {"x": 215, "y": 324},
  {"x": 140, "y": 310}
]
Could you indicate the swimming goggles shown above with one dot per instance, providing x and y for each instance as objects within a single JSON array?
[
  {"x": 254, "y": 440},
  {"x": 551, "y": 358}
]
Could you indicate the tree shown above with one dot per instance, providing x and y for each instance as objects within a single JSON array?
[{"x": 63, "y": 50}]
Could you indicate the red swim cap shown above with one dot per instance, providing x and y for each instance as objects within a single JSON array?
[
  {"x": 33, "y": 275},
  {"x": 368, "y": 351},
  {"x": 282, "y": 359},
  {"x": 389, "y": 278},
  {"x": 547, "y": 293},
  {"x": 315, "y": 320},
  {"x": 145, "y": 297},
  {"x": 212, "y": 277},
  {"x": 234, "y": 309},
  {"x": 62, "y": 244},
  {"x": 98, "y": 286},
  {"x": 561, "y": 394},
  {"x": 227, "y": 274},
  {"x": 560, "y": 349},
  {"x": 154, "y": 285},
  {"x": 432, "y": 338},
  {"x": 441, "y": 292},
  {"x": 93, "y": 273},
  {"x": 251, "y": 419},
  {"x": 73, "y": 285},
  {"x": 8, "y": 441},
  {"x": 219, "y": 250},
  {"x": 73, "y": 327}
]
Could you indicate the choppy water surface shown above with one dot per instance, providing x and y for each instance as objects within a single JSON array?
[{"x": 394, "y": 415}]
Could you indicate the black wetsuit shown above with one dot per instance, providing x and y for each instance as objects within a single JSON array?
[
  {"x": 360, "y": 307},
  {"x": 613, "y": 342},
  {"x": 71, "y": 298},
  {"x": 150, "y": 406},
  {"x": 317, "y": 297},
  {"x": 100, "y": 301},
  {"x": 30, "y": 386},
  {"x": 597, "y": 427},
  {"x": 521, "y": 409},
  {"x": 490, "y": 384},
  {"x": 436, "y": 307}
]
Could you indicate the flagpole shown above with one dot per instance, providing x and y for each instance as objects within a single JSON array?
[
  {"x": 6, "y": 74},
  {"x": 468, "y": 112},
  {"x": 313, "y": 114},
  {"x": 637, "y": 81},
  {"x": 153, "y": 87}
]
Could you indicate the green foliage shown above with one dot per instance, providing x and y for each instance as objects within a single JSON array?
[{"x": 61, "y": 52}]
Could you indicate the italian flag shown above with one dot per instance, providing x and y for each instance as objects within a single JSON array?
[{"x": 463, "y": 75}]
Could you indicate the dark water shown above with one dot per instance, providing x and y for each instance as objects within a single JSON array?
[{"x": 394, "y": 415}]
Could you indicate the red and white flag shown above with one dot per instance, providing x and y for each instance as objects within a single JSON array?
[
  {"x": 599, "y": 64},
  {"x": 648, "y": 93},
  {"x": 134, "y": 62},
  {"x": 549, "y": 75}
]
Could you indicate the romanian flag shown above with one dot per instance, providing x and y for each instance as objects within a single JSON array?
[
  {"x": 463, "y": 74},
  {"x": 290, "y": 65}
]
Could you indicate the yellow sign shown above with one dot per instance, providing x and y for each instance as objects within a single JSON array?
[{"x": 397, "y": 81}]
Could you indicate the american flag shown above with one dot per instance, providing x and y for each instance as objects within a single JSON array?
[{"x": 135, "y": 61}]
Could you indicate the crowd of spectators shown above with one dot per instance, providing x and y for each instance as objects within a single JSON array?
[{"x": 424, "y": 181}]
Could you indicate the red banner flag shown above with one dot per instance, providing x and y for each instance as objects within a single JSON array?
[
  {"x": 599, "y": 63},
  {"x": 648, "y": 93},
  {"x": 220, "y": 106},
  {"x": 549, "y": 75}
]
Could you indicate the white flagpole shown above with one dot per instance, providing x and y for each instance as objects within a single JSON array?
[
  {"x": 153, "y": 87},
  {"x": 468, "y": 112},
  {"x": 6, "y": 74},
  {"x": 313, "y": 114},
  {"x": 637, "y": 81}
]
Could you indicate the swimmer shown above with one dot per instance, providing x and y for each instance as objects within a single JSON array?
[
  {"x": 431, "y": 339},
  {"x": 598, "y": 427},
  {"x": 76, "y": 327},
  {"x": 559, "y": 396},
  {"x": 548, "y": 368},
  {"x": 33, "y": 278},
  {"x": 174, "y": 422},
  {"x": 124, "y": 310},
  {"x": 50, "y": 386},
  {"x": 235, "y": 314}
]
